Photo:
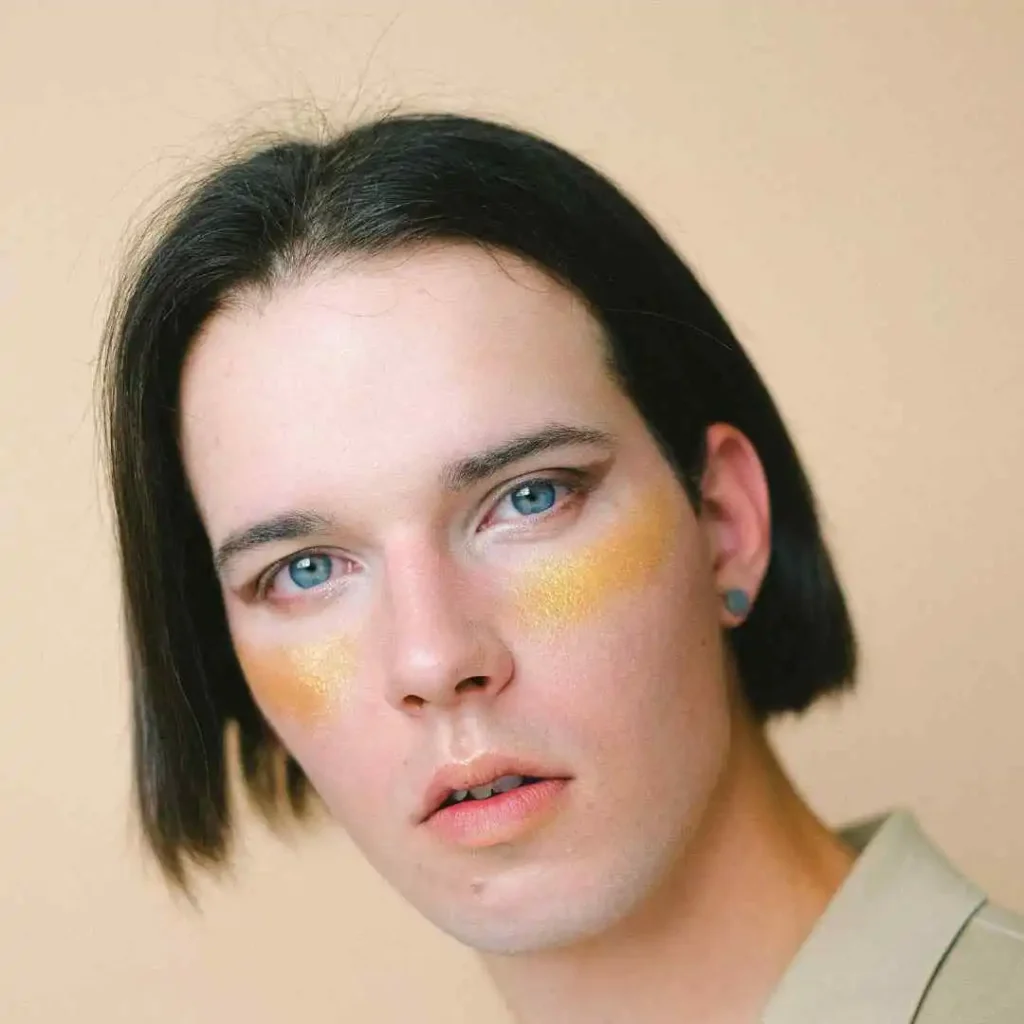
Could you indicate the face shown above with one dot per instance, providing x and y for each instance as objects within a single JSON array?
[{"x": 451, "y": 553}]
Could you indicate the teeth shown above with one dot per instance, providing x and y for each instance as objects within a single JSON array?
[
  {"x": 503, "y": 785},
  {"x": 507, "y": 782}
]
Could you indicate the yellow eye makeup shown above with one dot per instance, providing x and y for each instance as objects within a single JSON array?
[
  {"x": 302, "y": 683},
  {"x": 570, "y": 588}
]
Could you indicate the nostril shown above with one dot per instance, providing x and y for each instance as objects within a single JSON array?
[{"x": 414, "y": 701}]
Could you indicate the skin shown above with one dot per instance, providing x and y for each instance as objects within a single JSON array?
[
  {"x": 681, "y": 871},
  {"x": 301, "y": 683}
]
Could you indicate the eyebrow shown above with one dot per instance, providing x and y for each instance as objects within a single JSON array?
[
  {"x": 286, "y": 526},
  {"x": 465, "y": 472},
  {"x": 457, "y": 475}
]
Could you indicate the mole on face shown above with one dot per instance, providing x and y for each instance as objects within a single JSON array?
[
  {"x": 302, "y": 683},
  {"x": 567, "y": 589}
]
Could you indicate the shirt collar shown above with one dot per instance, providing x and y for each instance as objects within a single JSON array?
[{"x": 874, "y": 950}]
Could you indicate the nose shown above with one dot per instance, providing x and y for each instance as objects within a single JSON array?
[{"x": 437, "y": 653}]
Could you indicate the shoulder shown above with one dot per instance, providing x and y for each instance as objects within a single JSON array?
[{"x": 981, "y": 979}]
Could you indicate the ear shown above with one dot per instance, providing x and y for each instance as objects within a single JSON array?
[{"x": 735, "y": 515}]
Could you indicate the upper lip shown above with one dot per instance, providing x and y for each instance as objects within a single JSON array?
[{"x": 479, "y": 772}]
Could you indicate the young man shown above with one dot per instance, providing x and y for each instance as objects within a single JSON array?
[{"x": 440, "y": 478}]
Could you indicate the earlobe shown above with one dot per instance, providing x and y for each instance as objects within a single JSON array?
[{"x": 736, "y": 515}]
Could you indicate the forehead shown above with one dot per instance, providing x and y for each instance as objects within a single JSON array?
[{"x": 374, "y": 373}]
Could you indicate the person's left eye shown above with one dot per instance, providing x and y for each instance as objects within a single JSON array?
[{"x": 535, "y": 498}]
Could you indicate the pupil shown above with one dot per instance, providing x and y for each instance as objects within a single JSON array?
[
  {"x": 310, "y": 571},
  {"x": 533, "y": 498}
]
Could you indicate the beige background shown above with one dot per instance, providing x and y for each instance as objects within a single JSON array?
[{"x": 846, "y": 176}]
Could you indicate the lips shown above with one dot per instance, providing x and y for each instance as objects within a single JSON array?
[
  {"x": 504, "y": 784},
  {"x": 455, "y": 779},
  {"x": 506, "y": 818}
]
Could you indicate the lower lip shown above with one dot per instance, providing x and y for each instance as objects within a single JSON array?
[{"x": 501, "y": 818}]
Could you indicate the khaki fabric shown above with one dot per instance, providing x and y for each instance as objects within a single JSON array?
[
  {"x": 906, "y": 940},
  {"x": 982, "y": 979}
]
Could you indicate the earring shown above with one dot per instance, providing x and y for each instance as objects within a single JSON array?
[{"x": 737, "y": 602}]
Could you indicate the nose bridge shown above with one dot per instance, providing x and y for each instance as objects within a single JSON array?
[{"x": 436, "y": 638}]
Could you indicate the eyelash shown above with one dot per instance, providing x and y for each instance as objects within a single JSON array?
[{"x": 576, "y": 484}]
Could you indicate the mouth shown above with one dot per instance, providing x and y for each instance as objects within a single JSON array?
[
  {"x": 476, "y": 794},
  {"x": 485, "y": 778},
  {"x": 491, "y": 800}
]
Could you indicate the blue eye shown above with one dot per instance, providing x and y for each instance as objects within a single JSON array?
[
  {"x": 310, "y": 571},
  {"x": 534, "y": 497}
]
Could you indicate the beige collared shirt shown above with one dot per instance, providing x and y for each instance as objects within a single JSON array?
[{"x": 905, "y": 939}]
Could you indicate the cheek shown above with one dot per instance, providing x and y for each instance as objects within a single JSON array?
[
  {"x": 359, "y": 765},
  {"x": 568, "y": 590},
  {"x": 299, "y": 684},
  {"x": 655, "y": 660},
  {"x": 640, "y": 699},
  {"x": 310, "y": 695},
  {"x": 625, "y": 637}
]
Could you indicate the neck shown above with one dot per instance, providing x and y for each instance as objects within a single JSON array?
[{"x": 713, "y": 941}]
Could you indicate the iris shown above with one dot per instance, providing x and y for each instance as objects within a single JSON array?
[
  {"x": 534, "y": 497},
  {"x": 310, "y": 571}
]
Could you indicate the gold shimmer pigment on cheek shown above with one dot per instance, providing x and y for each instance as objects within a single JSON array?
[
  {"x": 567, "y": 589},
  {"x": 303, "y": 683}
]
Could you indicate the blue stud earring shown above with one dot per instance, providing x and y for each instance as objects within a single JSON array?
[{"x": 737, "y": 602}]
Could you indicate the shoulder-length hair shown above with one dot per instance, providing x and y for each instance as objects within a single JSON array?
[{"x": 294, "y": 206}]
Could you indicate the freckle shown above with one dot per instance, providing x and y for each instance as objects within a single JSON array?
[
  {"x": 570, "y": 588},
  {"x": 303, "y": 683}
]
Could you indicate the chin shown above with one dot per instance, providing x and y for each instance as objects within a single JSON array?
[
  {"x": 531, "y": 930},
  {"x": 533, "y": 909}
]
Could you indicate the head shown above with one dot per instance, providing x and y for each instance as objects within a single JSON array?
[{"x": 431, "y": 459}]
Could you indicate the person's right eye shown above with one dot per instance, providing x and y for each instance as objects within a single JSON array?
[{"x": 309, "y": 573}]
